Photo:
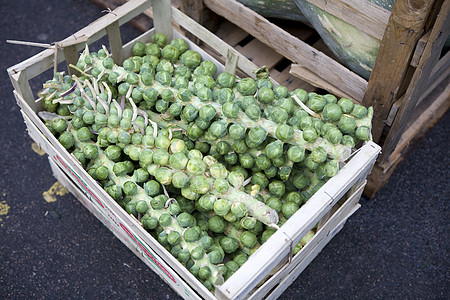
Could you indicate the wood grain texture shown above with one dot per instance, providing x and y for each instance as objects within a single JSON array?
[
  {"x": 418, "y": 83},
  {"x": 289, "y": 46},
  {"x": 366, "y": 16},
  {"x": 404, "y": 29}
]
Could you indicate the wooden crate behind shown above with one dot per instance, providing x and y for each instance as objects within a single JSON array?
[{"x": 409, "y": 84}]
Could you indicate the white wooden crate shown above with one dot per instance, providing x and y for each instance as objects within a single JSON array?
[{"x": 330, "y": 206}]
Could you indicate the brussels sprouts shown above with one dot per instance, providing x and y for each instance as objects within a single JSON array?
[
  {"x": 363, "y": 133},
  {"x": 165, "y": 220},
  {"x": 260, "y": 179},
  {"x": 348, "y": 140},
  {"x": 161, "y": 157},
  {"x": 206, "y": 202},
  {"x": 248, "y": 239},
  {"x": 178, "y": 160},
  {"x": 186, "y": 220},
  {"x": 277, "y": 188},
  {"x": 196, "y": 166},
  {"x": 346, "y": 105},
  {"x": 191, "y": 234},
  {"x": 163, "y": 77},
  {"x": 191, "y": 59},
  {"x": 247, "y": 160},
  {"x": 237, "y": 132},
  {"x": 271, "y": 172},
  {"x": 266, "y": 95},
  {"x": 240, "y": 146},
  {"x": 239, "y": 209},
  {"x": 141, "y": 206},
  {"x": 294, "y": 197},
  {"x": 263, "y": 162},
  {"x": 289, "y": 209},
  {"x": 145, "y": 157},
  {"x": 221, "y": 207},
  {"x": 248, "y": 223},
  {"x": 197, "y": 253},
  {"x": 331, "y": 168},
  {"x": 226, "y": 80},
  {"x": 152, "y": 49},
  {"x": 180, "y": 180},
  {"x": 140, "y": 175},
  {"x": 230, "y": 110},
  {"x": 300, "y": 180},
  {"x": 204, "y": 93},
  {"x": 223, "y": 95},
  {"x": 310, "y": 134},
  {"x": 170, "y": 52},
  {"x": 310, "y": 164},
  {"x": 217, "y": 170},
  {"x": 230, "y": 158},
  {"x": 90, "y": 151},
  {"x": 274, "y": 149},
  {"x": 199, "y": 184},
  {"x": 319, "y": 155},
  {"x": 215, "y": 257},
  {"x": 130, "y": 188},
  {"x": 150, "y": 95},
  {"x": 247, "y": 86},
  {"x": 284, "y": 132},
  {"x": 332, "y": 112},
  {"x": 347, "y": 125},
  {"x": 164, "y": 175},
  {"x": 274, "y": 203},
  {"x": 209, "y": 67},
  {"x": 296, "y": 153},
  {"x": 218, "y": 129},
  {"x": 229, "y": 245},
  {"x": 257, "y": 135},
  {"x": 180, "y": 44},
  {"x": 160, "y": 39},
  {"x": 280, "y": 91},
  {"x": 317, "y": 103},
  {"x": 253, "y": 112},
  {"x": 330, "y": 98},
  {"x": 207, "y": 112},
  {"x": 334, "y": 135}
]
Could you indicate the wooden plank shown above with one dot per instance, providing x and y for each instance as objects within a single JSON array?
[
  {"x": 404, "y": 29},
  {"x": 162, "y": 17},
  {"x": 22, "y": 87},
  {"x": 290, "y": 47},
  {"x": 115, "y": 42},
  {"x": 364, "y": 15},
  {"x": 260, "y": 54},
  {"x": 230, "y": 33},
  {"x": 71, "y": 56},
  {"x": 291, "y": 82},
  {"x": 427, "y": 62},
  {"x": 419, "y": 49}
]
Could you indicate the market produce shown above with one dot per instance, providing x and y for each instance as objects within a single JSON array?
[{"x": 210, "y": 164}]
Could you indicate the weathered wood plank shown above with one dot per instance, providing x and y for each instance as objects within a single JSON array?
[
  {"x": 364, "y": 15},
  {"x": 420, "y": 78},
  {"x": 405, "y": 27},
  {"x": 287, "y": 45}
]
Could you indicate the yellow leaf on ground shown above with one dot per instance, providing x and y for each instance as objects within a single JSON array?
[
  {"x": 37, "y": 148},
  {"x": 57, "y": 189}
]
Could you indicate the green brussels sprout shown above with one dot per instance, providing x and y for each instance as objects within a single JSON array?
[
  {"x": 226, "y": 80},
  {"x": 150, "y": 95},
  {"x": 294, "y": 197},
  {"x": 310, "y": 134},
  {"x": 153, "y": 50},
  {"x": 305, "y": 122},
  {"x": 218, "y": 128},
  {"x": 209, "y": 67},
  {"x": 230, "y": 110},
  {"x": 84, "y": 134},
  {"x": 194, "y": 131},
  {"x": 174, "y": 209},
  {"x": 247, "y": 86},
  {"x": 221, "y": 207},
  {"x": 164, "y": 175},
  {"x": 318, "y": 155},
  {"x": 287, "y": 104},
  {"x": 163, "y": 77},
  {"x": 248, "y": 223},
  {"x": 161, "y": 157},
  {"x": 248, "y": 239},
  {"x": 132, "y": 78},
  {"x": 257, "y": 135},
  {"x": 141, "y": 206},
  {"x": 130, "y": 208},
  {"x": 260, "y": 179},
  {"x": 223, "y": 147},
  {"x": 280, "y": 91},
  {"x": 363, "y": 133},
  {"x": 247, "y": 160},
  {"x": 346, "y": 105},
  {"x": 196, "y": 166},
  {"x": 178, "y": 160},
  {"x": 79, "y": 155},
  {"x": 331, "y": 168},
  {"x": 114, "y": 191},
  {"x": 162, "y": 106},
  {"x": 204, "y": 93},
  {"x": 310, "y": 164},
  {"x": 180, "y": 180},
  {"x": 330, "y": 98},
  {"x": 170, "y": 52},
  {"x": 207, "y": 112},
  {"x": 284, "y": 132},
  {"x": 191, "y": 234},
  {"x": 217, "y": 170},
  {"x": 237, "y": 132},
  {"x": 130, "y": 188},
  {"x": 59, "y": 125},
  {"x": 300, "y": 180},
  {"x": 238, "y": 209},
  {"x": 296, "y": 153},
  {"x": 90, "y": 151},
  {"x": 165, "y": 219},
  {"x": 347, "y": 125},
  {"x": 197, "y": 253},
  {"x": 265, "y": 95},
  {"x": 183, "y": 256},
  {"x": 274, "y": 203},
  {"x": 206, "y": 203},
  {"x": 160, "y": 39},
  {"x": 191, "y": 59},
  {"x": 145, "y": 157},
  {"x": 334, "y": 135},
  {"x": 120, "y": 168},
  {"x": 231, "y": 158},
  {"x": 277, "y": 188},
  {"x": 199, "y": 184},
  {"x": 263, "y": 162},
  {"x": 274, "y": 149},
  {"x": 332, "y": 112},
  {"x": 348, "y": 140},
  {"x": 236, "y": 179},
  {"x": 150, "y": 223},
  {"x": 186, "y": 220},
  {"x": 246, "y": 101},
  {"x": 190, "y": 113},
  {"x": 138, "y": 49},
  {"x": 140, "y": 175},
  {"x": 240, "y": 146},
  {"x": 180, "y": 44},
  {"x": 253, "y": 112},
  {"x": 223, "y": 95},
  {"x": 229, "y": 244},
  {"x": 289, "y": 209},
  {"x": 174, "y": 237},
  {"x": 215, "y": 257},
  {"x": 317, "y": 103},
  {"x": 267, "y": 234}
]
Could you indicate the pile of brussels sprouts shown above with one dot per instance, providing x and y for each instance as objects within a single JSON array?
[{"x": 210, "y": 164}]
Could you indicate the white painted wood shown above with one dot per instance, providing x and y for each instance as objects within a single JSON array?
[{"x": 162, "y": 17}]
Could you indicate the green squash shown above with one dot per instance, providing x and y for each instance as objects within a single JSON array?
[{"x": 280, "y": 9}]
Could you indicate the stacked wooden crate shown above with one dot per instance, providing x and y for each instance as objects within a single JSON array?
[{"x": 408, "y": 86}]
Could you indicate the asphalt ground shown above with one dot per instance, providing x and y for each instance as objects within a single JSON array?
[{"x": 396, "y": 246}]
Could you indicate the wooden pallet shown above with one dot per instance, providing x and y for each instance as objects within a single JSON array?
[{"x": 408, "y": 84}]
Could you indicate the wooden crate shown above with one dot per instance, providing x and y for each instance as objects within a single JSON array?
[
  {"x": 409, "y": 84},
  {"x": 271, "y": 269}
]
